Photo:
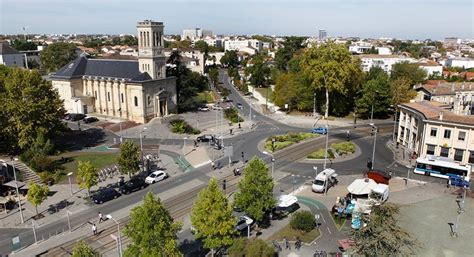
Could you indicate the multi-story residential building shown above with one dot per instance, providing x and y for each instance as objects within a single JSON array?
[
  {"x": 193, "y": 59},
  {"x": 383, "y": 61},
  {"x": 426, "y": 128},
  {"x": 10, "y": 56},
  {"x": 431, "y": 67},
  {"x": 250, "y": 46},
  {"x": 136, "y": 90},
  {"x": 454, "y": 95},
  {"x": 196, "y": 33},
  {"x": 216, "y": 42},
  {"x": 465, "y": 63},
  {"x": 323, "y": 34}
]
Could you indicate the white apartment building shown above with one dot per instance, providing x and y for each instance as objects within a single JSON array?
[
  {"x": 10, "y": 56},
  {"x": 196, "y": 33},
  {"x": 431, "y": 67},
  {"x": 216, "y": 42},
  {"x": 428, "y": 129},
  {"x": 250, "y": 46},
  {"x": 193, "y": 59},
  {"x": 383, "y": 61},
  {"x": 465, "y": 63}
]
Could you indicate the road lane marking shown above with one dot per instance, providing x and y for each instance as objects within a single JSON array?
[{"x": 329, "y": 230}]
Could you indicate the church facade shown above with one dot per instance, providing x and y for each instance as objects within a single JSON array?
[{"x": 136, "y": 90}]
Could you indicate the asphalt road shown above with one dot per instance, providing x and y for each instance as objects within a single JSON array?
[{"x": 246, "y": 143}]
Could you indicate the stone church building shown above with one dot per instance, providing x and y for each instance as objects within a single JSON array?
[{"x": 136, "y": 90}]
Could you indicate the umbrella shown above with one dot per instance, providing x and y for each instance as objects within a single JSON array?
[
  {"x": 361, "y": 186},
  {"x": 15, "y": 184}
]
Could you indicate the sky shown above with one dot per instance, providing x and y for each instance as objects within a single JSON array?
[{"x": 403, "y": 19}]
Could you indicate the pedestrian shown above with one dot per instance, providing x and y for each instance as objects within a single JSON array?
[
  {"x": 348, "y": 135},
  {"x": 235, "y": 172},
  {"x": 101, "y": 218},
  {"x": 94, "y": 229},
  {"x": 195, "y": 144},
  {"x": 239, "y": 126},
  {"x": 285, "y": 243},
  {"x": 213, "y": 165}
]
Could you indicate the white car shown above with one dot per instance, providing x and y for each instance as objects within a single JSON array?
[{"x": 156, "y": 176}]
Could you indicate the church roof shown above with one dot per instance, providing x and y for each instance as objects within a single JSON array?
[
  {"x": 6, "y": 49},
  {"x": 120, "y": 69}
]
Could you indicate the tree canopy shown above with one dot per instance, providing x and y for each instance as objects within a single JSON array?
[
  {"x": 230, "y": 59},
  {"x": 29, "y": 106},
  {"x": 331, "y": 67},
  {"x": 87, "y": 175},
  {"x": 375, "y": 92},
  {"x": 259, "y": 71},
  {"x": 56, "y": 55},
  {"x": 408, "y": 70},
  {"x": 382, "y": 236},
  {"x": 129, "y": 158},
  {"x": 37, "y": 194},
  {"x": 402, "y": 92},
  {"x": 286, "y": 53},
  {"x": 152, "y": 230},
  {"x": 81, "y": 249},
  {"x": 255, "y": 195},
  {"x": 212, "y": 217},
  {"x": 23, "y": 45}
]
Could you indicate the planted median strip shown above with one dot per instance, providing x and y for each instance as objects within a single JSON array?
[
  {"x": 278, "y": 142},
  {"x": 334, "y": 151}
]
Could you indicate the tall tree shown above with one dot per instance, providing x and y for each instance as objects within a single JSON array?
[
  {"x": 202, "y": 46},
  {"x": 81, "y": 249},
  {"x": 329, "y": 66},
  {"x": 87, "y": 175},
  {"x": 129, "y": 158},
  {"x": 286, "y": 53},
  {"x": 255, "y": 195},
  {"x": 259, "y": 71},
  {"x": 214, "y": 76},
  {"x": 212, "y": 217},
  {"x": 230, "y": 59},
  {"x": 56, "y": 55},
  {"x": 152, "y": 230},
  {"x": 37, "y": 194},
  {"x": 402, "y": 92},
  {"x": 382, "y": 236},
  {"x": 29, "y": 106},
  {"x": 375, "y": 92},
  {"x": 408, "y": 70},
  {"x": 23, "y": 45},
  {"x": 286, "y": 90},
  {"x": 259, "y": 248}
]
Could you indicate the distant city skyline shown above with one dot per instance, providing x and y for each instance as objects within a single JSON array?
[{"x": 404, "y": 19}]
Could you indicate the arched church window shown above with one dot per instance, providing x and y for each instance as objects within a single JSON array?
[{"x": 136, "y": 100}]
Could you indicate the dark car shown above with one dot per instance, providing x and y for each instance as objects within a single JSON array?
[
  {"x": 133, "y": 185},
  {"x": 279, "y": 213},
  {"x": 90, "y": 119},
  {"x": 76, "y": 116},
  {"x": 204, "y": 138},
  {"x": 104, "y": 195}
]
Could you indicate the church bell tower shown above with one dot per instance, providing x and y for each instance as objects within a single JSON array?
[{"x": 150, "y": 48}]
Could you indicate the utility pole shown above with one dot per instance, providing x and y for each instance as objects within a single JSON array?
[
  {"x": 314, "y": 104},
  {"x": 327, "y": 140},
  {"x": 375, "y": 140}
]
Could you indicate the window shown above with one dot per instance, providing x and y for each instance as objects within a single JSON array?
[
  {"x": 458, "y": 153},
  {"x": 444, "y": 152},
  {"x": 121, "y": 97},
  {"x": 136, "y": 100},
  {"x": 148, "y": 100},
  {"x": 434, "y": 131},
  {"x": 108, "y": 96},
  {"x": 430, "y": 149},
  {"x": 461, "y": 135},
  {"x": 471, "y": 156},
  {"x": 447, "y": 133}
]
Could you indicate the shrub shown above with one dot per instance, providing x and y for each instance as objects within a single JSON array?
[
  {"x": 180, "y": 126},
  {"x": 303, "y": 220},
  {"x": 232, "y": 115},
  {"x": 344, "y": 148},
  {"x": 319, "y": 154}
]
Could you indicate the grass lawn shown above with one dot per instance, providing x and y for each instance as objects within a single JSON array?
[
  {"x": 99, "y": 160},
  {"x": 291, "y": 234},
  {"x": 319, "y": 154},
  {"x": 205, "y": 96},
  {"x": 338, "y": 221},
  {"x": 285, "y": 140},
  {"x": 263, "y": 92},
  {"x": 341, "y": 148}
]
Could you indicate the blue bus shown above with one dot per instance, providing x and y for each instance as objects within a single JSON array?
[{"x": 442, "y": 168}]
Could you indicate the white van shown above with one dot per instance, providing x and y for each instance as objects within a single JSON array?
[{"x": 327, "y": 178}]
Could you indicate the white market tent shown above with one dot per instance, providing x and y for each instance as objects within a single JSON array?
[
  {"x": 287, "y": 200},
  {"x": 362, "y": 186}
]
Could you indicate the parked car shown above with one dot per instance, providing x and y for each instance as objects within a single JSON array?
[
  {"x": 239, "y": 106},
  {"x": 205, "y": 138},
  {"x": 90, "y": 119},
  {"x": 216, "y": 107},
  {"x": 287, "y": 204},
  {"x": 133, "y": 185},
  {"x": 76, "y": 116},
  {"x": 104, "y": 195},
  {"x": 203, "y": 109},
  {"x": 156, "y": 176},
  {"x": 320, "y": 130},
  {"x": 244, "y": 222}
]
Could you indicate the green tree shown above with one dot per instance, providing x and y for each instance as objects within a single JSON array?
[
  {"x": 37, "y": 194},
  {"x": 259, "y": 248},
  {"x": 286, "y": 90},
  {"x": 214, "y": 75},
  {"x": 329, "y": 67},
  {"x": 23, "y": 45},
  {"x": 255, "y": 195},
  {"x": 402, "y": 92},
  {"x": 56, "y": 55},
  {"x": 259, "y": 71},
  {"x": 375, "y": 92},
  {"x": 382, "y": 236},
  {"x": 87, "y": 175},
  {"x": 303, "y": 220},
  {"x": 29, "y": 106},
  {"x": 129, "y": 158},
  {"x": 212, "y": 217},
  {"x": 230, "y": 59},
  {"x": 237, "y": 249},
  {"x": 81, "y": 249},
  {"x": 286, "y": 53},
  {"x": 202, "y": 46},
  {"x": 151, "y": 230},
  {"x": 408, "y": 70}
]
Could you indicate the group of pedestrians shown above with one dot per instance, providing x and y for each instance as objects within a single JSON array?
[
  {"x": 94, "y": 227},
  {"x": 286, "y": 244}
]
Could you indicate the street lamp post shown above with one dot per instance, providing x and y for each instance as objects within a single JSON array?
[
  {"x": 118, "y": 229},
  {"x": 17, "y": 192},
  {"x": 326, "y": 152},
  {"x": 141, "y": 146},
  {"x": 184, "y": 146},
  {"x": 68, "y": 220},
  {"x": 394, "y": 126},
  {"x": 120, "y": 124},
  {"x": 34, "y": 231},
  {"x": 70, "y": 184},
  {"x": 375, "y": 140},
  {"x": 314, "y": 104},
  {"x": 272, "y": 160}
]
